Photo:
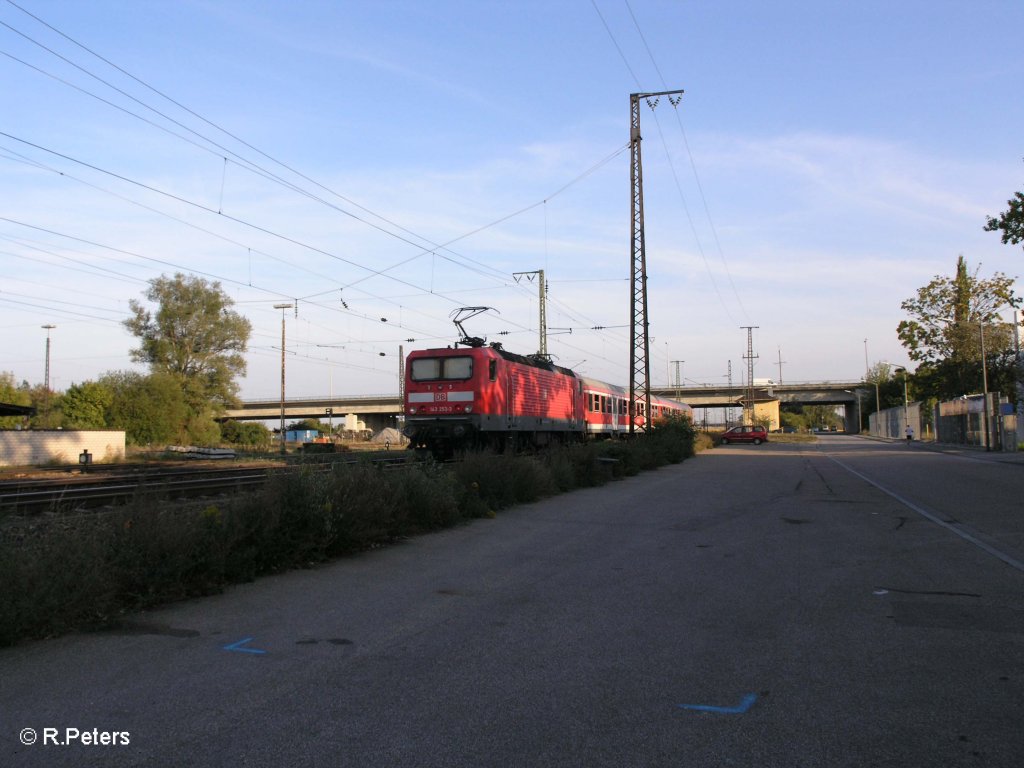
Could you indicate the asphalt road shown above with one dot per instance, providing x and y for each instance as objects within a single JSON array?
[{"x": 848, "y": 603}]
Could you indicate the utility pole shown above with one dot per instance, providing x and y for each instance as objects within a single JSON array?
[
  {"x": 748, "y": 406},
  {"x": 728, "y": 411},
  {"x": 1018, "y": 317},
  {"x": 679, "y": 378},
  {"x": 543, "y": 350},
  {"x": 781, "y": 361},
  {"x": 640, "y": 363},
  {"x": 984, "y": 389},
  {"x": 282, "y": 307}
]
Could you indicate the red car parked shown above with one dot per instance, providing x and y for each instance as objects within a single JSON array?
[{"x": 745, "y": 434}]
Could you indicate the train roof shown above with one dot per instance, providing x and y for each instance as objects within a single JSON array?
[
  {"x": 534, "y": 361},
  {"x": 624, "y": 391}
]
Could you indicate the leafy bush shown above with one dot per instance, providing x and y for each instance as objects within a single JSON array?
[
  {"x": 246, "y": 434},
  {"x": 87, "y": 570}
]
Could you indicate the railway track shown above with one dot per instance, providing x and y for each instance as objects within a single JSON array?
[{"x": 113, "y": 485}]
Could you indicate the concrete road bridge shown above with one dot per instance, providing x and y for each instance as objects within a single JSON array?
[
  {"x": 375, "y": 411},
  {"x": 380, "y": 411},
  {"x": 769, "y": 397}
]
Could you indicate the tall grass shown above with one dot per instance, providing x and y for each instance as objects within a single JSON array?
[{"x": 64, "y": 572}]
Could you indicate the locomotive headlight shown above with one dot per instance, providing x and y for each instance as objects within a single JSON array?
[
  {"x": 412, "y": 409},
  {"x": 468, "y": 409}
]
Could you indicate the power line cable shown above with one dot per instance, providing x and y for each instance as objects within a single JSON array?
[
  {"x": 696, "y": 177},
  {"x": 252, "y": 166},
  {"x": 248, "y": 164}
]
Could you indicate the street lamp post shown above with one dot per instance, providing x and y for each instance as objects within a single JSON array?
[
  {"x": 282, "y": 307},
  {"x": 984, "y": 387},
  {"x": 867, "y": 372},
  {"x": 46, "y": 378}
]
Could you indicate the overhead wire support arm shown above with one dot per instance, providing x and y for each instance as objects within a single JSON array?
[
  {"x": 640, "y": 363},
  {"x": 542, "y": 351}
]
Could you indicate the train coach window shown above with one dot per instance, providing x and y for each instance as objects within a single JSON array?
[
  {"x": 492, "y": 370},
  {"x": 433, "y": 368}
]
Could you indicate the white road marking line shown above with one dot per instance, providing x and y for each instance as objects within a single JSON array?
[{"x": 1011, "y": 561}]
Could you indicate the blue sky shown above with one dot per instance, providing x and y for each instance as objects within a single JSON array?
[{"x": 826, "y": 160}]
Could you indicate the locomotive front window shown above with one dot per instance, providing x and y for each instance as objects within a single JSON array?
[
  {"x": 458, "y": 367},
  {"x": 434, "y": 368},
  {"x": 426, "y": 368}
]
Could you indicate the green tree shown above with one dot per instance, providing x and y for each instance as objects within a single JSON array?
[
  {"x": 47, "y": 405},
  {"x": 946, "y": 312},
  {"x": 944, "y": 333},
  {"x": 793, "y": 416},
  {"x": 12, "y": 394},
  {"x": 1010, "y": 221},
  {"x": 150, "y": 409},
  {"x": 193, "y": 336},
  {"x": 85, "y": 405},
  {"x": 821, "y": 416},
  {"x": 885, "y": 388}
]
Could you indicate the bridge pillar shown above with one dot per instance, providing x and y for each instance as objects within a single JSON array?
[
  {"x": 850, "y": 424},
  {"x": 375, "y": 422}
]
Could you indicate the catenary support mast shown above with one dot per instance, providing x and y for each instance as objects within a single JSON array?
[
  {"x": 640, "y": 361},
  {"x": 748, "y": 405}
]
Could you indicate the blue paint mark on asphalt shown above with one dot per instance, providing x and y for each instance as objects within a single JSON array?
[
  {"x": 238, "y": 647},
  {"x": 742, "y": 707}
]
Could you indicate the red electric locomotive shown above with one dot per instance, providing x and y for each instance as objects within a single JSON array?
[{"x": 485, "y": 396}]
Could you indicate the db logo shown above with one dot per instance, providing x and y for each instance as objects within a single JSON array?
[{"x": 440, "y": 397}]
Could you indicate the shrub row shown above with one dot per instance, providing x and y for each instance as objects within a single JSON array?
[{"x": 61, "y": 573}]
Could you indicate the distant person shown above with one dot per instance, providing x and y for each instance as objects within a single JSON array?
[{"x": 910, "y": 433}]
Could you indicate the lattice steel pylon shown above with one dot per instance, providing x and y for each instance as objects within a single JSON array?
[
  {"x": 748, "y": 406},
  {"x": 542, "y": 349},
  {"x": 640, "y": 361}
]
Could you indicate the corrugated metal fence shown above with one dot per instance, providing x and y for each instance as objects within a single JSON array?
[{"x": 956, "y": 422}]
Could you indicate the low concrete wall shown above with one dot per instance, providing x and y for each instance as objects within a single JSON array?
[
  {"x": 59, "y": 446},
  {"x": 892, "y": 422}
]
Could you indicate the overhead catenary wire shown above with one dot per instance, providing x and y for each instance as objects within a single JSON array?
[
  {"x": 696, "y": 176},
  {"x": 678, "y": 185},
  {"x": 208, "y": 209},
  {"x": 435, "y": 247},
  {"x": 486, "y": 269}
]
